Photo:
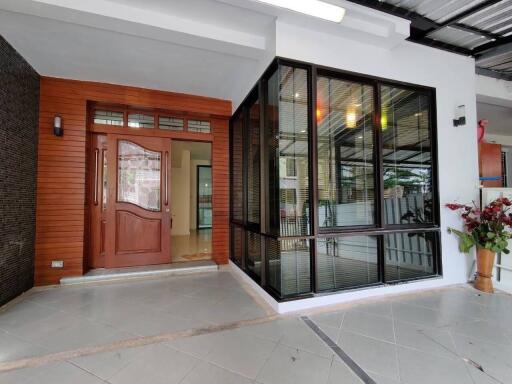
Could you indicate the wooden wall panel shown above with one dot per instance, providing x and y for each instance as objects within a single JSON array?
[
  {"x": 61, "y": 181},
  {"x": 489, "y": 158}
]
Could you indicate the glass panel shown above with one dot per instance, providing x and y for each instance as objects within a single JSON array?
[
  {"x": 272, "y": 154},
  {"x": 170, "y": 123},
  {"x": 346, "y": 190},
  {"x": 253, "y": 262},
  {"x": 253, "y": 166},
  {"x": 104, "y": 191},
  {"x": 199, "y": 126},
  {"x": 409, "y": 255},
  {"x": 236, "y": 238},
  {"x": 204, "y": 197},
  {"x": 140, "y": 120},
  {"x": 286, "y": 140},
  {"x": 138, "y": 176},
  {"x": 407, "y": 156},
  {"x": 289, "y": 266},
  {"x": 345, "y": 262},
  {"x": 237, "y": 156},
  {"x": 108, "y": 117}
]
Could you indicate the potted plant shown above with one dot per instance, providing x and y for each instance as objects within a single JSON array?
[{"x": 487, "y": 229}]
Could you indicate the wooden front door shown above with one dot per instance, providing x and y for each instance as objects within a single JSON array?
[{"x": 137, "y": 216}]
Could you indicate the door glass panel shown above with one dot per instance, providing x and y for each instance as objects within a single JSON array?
[
  {"x": 138, "y": 176},
  {"x": 204, "y": 197}
]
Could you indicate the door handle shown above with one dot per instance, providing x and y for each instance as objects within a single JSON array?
[
  {"x": 166, "y": 178},
  {"x": 96, "y": 169}
]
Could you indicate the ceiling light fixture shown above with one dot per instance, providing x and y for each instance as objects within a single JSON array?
[{"x": 315, "y": 8}]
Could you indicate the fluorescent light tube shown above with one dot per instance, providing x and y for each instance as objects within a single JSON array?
[{"x": 314, "y": 8}]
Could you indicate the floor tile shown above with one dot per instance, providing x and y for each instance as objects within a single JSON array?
[
  {"x": 371, "y": 354},
  {"x": 378, "y": 327},
  {"x": 106, "y": 365},
  {"x": 332, "y": 319},
  {"x": 212, "y": 374},
  {"x": 156, "y": 364},
  {"x": 17, "y": 348},
  {"x": 241, "y": 353},
  {"x": 494, "y": 359},
  {"x": 54, "y": 373},
  {"x": 293, "y": 366},
  {"x": 381, "y": 308},
  {"x": 199, "y": 346},
  {"x": 436, "y": 341},
  {"x": 423, "y": 368},
  {"x": 340, "y": 373}
]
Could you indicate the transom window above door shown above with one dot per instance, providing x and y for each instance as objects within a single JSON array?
[{"x": 132, "y": 118}]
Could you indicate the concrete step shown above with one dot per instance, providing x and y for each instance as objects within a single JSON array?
[{"x": 129, "y": 273}]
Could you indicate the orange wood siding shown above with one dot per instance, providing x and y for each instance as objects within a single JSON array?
[
  {"x": 61, "y": 173},
  {"x": 489, "y": 156}
]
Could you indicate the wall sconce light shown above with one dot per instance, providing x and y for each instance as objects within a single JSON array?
[
  {"x": 460, "y": 116},
  {"x": 57, "y": 126}
]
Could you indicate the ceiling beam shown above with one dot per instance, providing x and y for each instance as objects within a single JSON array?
[
  {"x": 493, "y": 74},
  {"x": 492, "y": 48}
]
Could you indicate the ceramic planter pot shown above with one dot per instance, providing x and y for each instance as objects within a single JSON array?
[{"x": 484, "y": 265}]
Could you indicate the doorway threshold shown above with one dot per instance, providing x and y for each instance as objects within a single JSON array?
[{"x": 129, "y": 273}]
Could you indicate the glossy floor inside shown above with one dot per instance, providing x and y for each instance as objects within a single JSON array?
[
  {"x": 193, "y": 247},
  {"x": 211, "y": 328}
]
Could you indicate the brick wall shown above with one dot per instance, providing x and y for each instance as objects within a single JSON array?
[{"x": 19, "y": 105}]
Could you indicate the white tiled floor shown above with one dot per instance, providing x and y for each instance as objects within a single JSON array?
[{"x": 434, "y": 337}]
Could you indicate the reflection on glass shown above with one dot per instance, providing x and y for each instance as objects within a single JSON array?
[
  {"x": 204, "y": 197},
  {"x": 253, "y": 166},
  {"x": 140, "y": 120},
  {"x": 346, "y": 261},
  {"x": 104, "y": 181},
  {"x": 170, "y": 123},
  {"x": 138, "y": 175},
  {"x": 108, "y": 117},
  {"x": 406, "y": 156},
  {"x": 253, "y": 261},
  {"x": 409, "y": 255},
  {"x": 199, "y": 126},
  {"x": 287, "y": 146},
  {"x": 345, "y": 153},
  {"x": 237, "y": 155},
  {"x": 289, "y": 266},
  {"x": 236, "y": 238}
]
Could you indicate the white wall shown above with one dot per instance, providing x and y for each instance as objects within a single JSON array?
[
  {"x": 180, "y": 196},
  {"x": 452, "y": 75},
  {"x": 493, "y": 91}
]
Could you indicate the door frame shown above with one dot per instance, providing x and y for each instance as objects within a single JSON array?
[{"x": 197, "y": 195}]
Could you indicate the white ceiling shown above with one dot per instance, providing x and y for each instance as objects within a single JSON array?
[
  {"x": 499, "y": 118},
  {"x": 214, "y": 48}
]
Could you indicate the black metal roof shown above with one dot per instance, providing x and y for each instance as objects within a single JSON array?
[{"x": 482, "y": 29}]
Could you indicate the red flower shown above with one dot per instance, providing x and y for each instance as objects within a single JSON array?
[{"x": 454, "y": 206}]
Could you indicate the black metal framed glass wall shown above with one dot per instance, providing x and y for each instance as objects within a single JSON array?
[{"x": 333, "y": 181}]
